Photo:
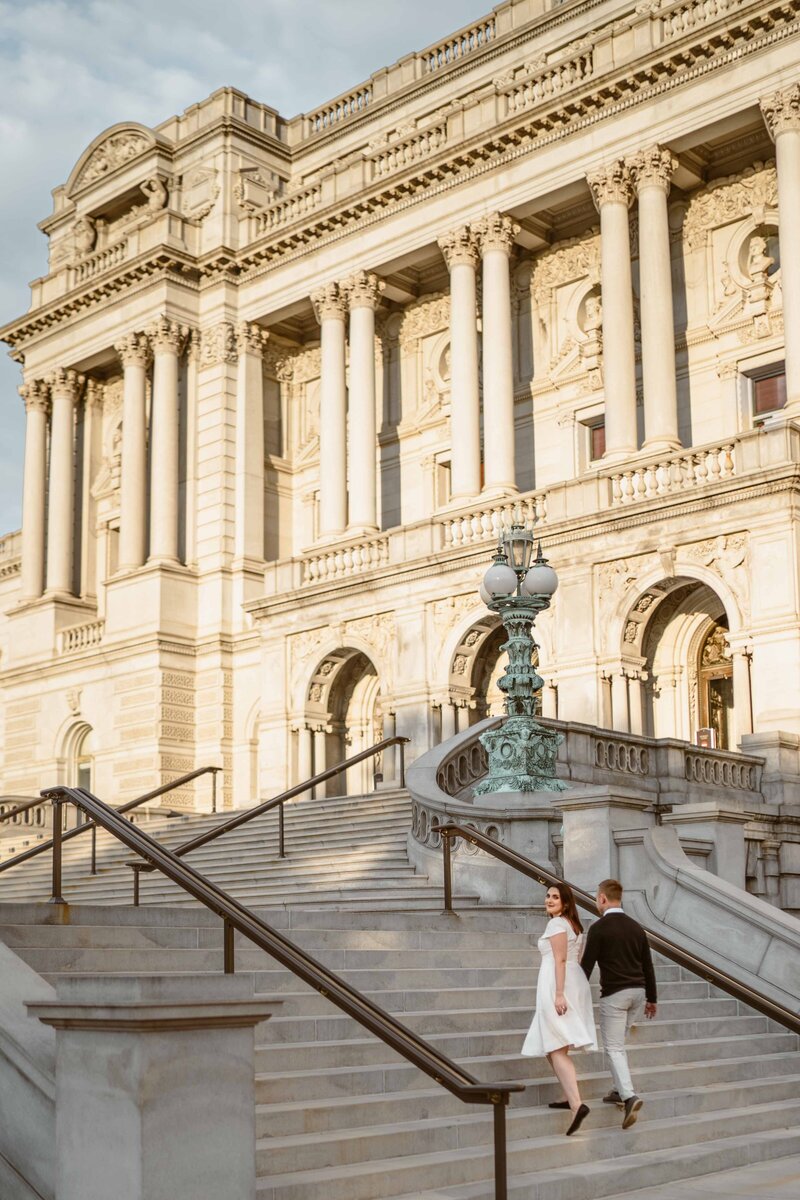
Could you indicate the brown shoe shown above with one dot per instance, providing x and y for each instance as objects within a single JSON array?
[
  {"x": 632, "y": 1106},
  {"x": 578, "y": 1119}
]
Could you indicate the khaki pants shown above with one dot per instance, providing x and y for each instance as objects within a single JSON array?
[{"x": 617, "y": 1014}]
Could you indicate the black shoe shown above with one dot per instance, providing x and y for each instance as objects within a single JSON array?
[
  {"x": 558, "y": 1104},
  {"x": 632, "y": 1106},
  {"x": 579, "y": 1118},
  {"x": 613, "y": 1097}
]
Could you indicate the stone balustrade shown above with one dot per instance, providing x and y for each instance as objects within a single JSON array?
[
  {"x": 680, "y": 472},
  {"x": 551, "y": 81},
  {"x": 340, "y": 562},
  {"x": 349, "y": 104},
  {"x": 722, "y": 770},
  {"x": 288, "y": 209},
  {"x": 465, "y": 42},
  {"x": 96, "y": 264},
  {"x": 408, "y": 150},
  {"x": 80, "y": 637},
  {"x": 683, "y": 18},
  {"x": 10, "y": 554},
  {"x": 32, "y": 818},
  {"x": 485, "y": 524}
]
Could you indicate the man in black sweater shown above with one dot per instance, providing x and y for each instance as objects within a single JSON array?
[{"x": 619, "y": 945}]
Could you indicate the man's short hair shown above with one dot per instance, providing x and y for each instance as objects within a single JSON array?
[{"x": 611, "y": 889}]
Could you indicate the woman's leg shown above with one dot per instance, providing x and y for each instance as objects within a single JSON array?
[{"x": 564, "y": 1070}]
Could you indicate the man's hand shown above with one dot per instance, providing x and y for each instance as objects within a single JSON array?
[{"x": 650, "y": 1010}]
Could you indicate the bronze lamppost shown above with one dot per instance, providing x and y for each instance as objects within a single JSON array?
[{"x": 521, "y": 753}]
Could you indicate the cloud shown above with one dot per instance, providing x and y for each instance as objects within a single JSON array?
[{"x": 70, "y": 68}]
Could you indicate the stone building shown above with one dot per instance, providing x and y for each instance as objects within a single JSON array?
[{"x": 286, "y": 379}]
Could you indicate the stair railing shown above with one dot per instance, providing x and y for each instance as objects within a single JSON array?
[
  {"x": 90, "y": 825},
  {"x": 202, "y": 839},
  {"x": 683, "y": 958},
  {"x": 237, "y": 918}
]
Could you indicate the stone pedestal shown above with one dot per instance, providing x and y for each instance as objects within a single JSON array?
[
  {"x": 155, "y": 1087},
  {"x": 722, "y": 827},
  {"x": 592, "y": 820}
]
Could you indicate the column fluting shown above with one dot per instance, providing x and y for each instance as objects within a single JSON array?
[
  {"x": 330, "y": 306},
  {"x": 781, "y": 113},
  {"x": 651, "y": 171},
  {"x": 611, "y": 192},
  {"x": 134, "y": 353},
  {"x": 36, "y": 397},
  {"x": 249, "y": 535},
  {"x": 495, "y": 234},
  {"x": 166, "y": 338},
  {"x": 363, "y": 293},
  {"x": 460, "y": 251},
  {"x": 65, "y": 388}
]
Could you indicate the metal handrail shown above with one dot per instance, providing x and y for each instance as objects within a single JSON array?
[
  {"x": 90, "y": 825},
  {"x": 239, "y": 919},
  {"x": 276, "y": 802},
  {"x": 683, "y": 958}
]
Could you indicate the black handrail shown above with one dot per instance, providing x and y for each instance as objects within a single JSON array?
[
  {"x": 276, "y": 802},
  {"x": 239, "y": 919},
  {"x": 684, "y": 958},
  {"x": 90, "y": 825}
]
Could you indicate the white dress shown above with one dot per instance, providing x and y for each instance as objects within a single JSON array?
[{"x": 575, "y": 1028}]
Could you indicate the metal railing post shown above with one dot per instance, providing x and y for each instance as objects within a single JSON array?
[
  {"x": 56, "y": 897},
  {"x": 136, "y": 877},
  {"x": 500, "y": 1158},
  {"x": 214, "y": 791},
  {"x": 228, "y": 934},
  {"x": 281, "y": 833},
  {"x": 402, "y": 746},
  {"x": 448, "y": 875},
  {"x": 94, "y": 849}
]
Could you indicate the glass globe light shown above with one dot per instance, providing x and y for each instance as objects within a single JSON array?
[
  {"x": 500, "y": 579},
  {"x": 541, "y": 580},
  {"x": 484, "y": 595}
]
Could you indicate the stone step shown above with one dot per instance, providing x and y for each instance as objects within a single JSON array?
[
  {"x": 604, "y": 1148},
  {"x": 775, "y": 1180},
  {"x": 391, "y": 1076},
  {"x": 690, "y": 1080},
  {"x": 472, "y": 1126}
]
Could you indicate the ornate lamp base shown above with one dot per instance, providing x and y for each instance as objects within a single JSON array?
[{"x": 522, "y": 758}]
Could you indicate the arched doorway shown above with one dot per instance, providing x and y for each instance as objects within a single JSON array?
[
  {"x": 477, "y": 664},
  {"x": 343, "y": 716}
]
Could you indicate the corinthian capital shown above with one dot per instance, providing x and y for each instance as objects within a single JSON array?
[
  {"x": 611, "y": 184},
  {"x": 495, "y": 231},
  {"x": 35, "y": 396},
  {"x": 363, "y": 290},
  {"x": 330, "y": 302},
  {"x": 781, "y": 110},
  {"x": 65, "y": 382},
  {"x": 133, "y": 350},
  {"x": 250, "y": 338},
  {"x": 167, "y": 337},
  {"x": 93, "y": 396},
  {"x": 652, "y": 167},
  {"x": 459, "y": 246}
]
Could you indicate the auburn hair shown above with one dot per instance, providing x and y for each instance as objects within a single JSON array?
[{"x": 569, "y": 909}]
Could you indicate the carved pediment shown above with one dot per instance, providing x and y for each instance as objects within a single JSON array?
[{"x": 114, "y": 148}]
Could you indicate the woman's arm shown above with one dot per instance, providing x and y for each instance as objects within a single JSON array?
[{"x": 559, "y": 944}]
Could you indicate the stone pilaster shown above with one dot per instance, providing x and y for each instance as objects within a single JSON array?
[
  {"x": 651, "y": 171},
  {"x": 363, "y": 293},
  {"x": 460, "y": 250},
  {"x": 134, "y": 353},
  {"x": 330, "y": 308},
  {"x": 781, "y": 113},
  {"x": 495, "y": 234},
  {"x": 65, "y": 389},
  {"x": 612, "y": 193}
]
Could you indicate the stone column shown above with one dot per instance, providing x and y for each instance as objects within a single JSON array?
[
  {"x": 781, "y": 112},
  {"x": 304, "y": 770},
  {"x": 635, "y": 704},
  {"x": 363, "y": 296},
  {"x": 34, "y": 487},
  {"x": 495, "y": 235},
  {"x": 320, "y": 759},
  {"x": 620, "y": 713},
  {"x": 329, "y": 308},
  {"x": 389, "y": 763},
  {"x": 134, "y": 353},
  {"x": 611, "y": 192},
  {"x": 92, "y": 457},
  {"x": 461, "y": 255},
  {"x": 651, "y": 171},
  {"x": 166, "y": 338},
  {"x": 249, "y": 536},
  {"x": 448, "y": 720},
  {"x": 65, "y": 389}
]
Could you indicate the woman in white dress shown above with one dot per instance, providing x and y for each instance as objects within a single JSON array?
[{"x": 564, "y": 1019}]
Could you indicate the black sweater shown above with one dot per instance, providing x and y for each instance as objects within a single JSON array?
[{"x": 619, "y": 945}]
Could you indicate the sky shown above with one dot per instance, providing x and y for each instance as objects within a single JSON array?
[{"x": 71, "y": 68}]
